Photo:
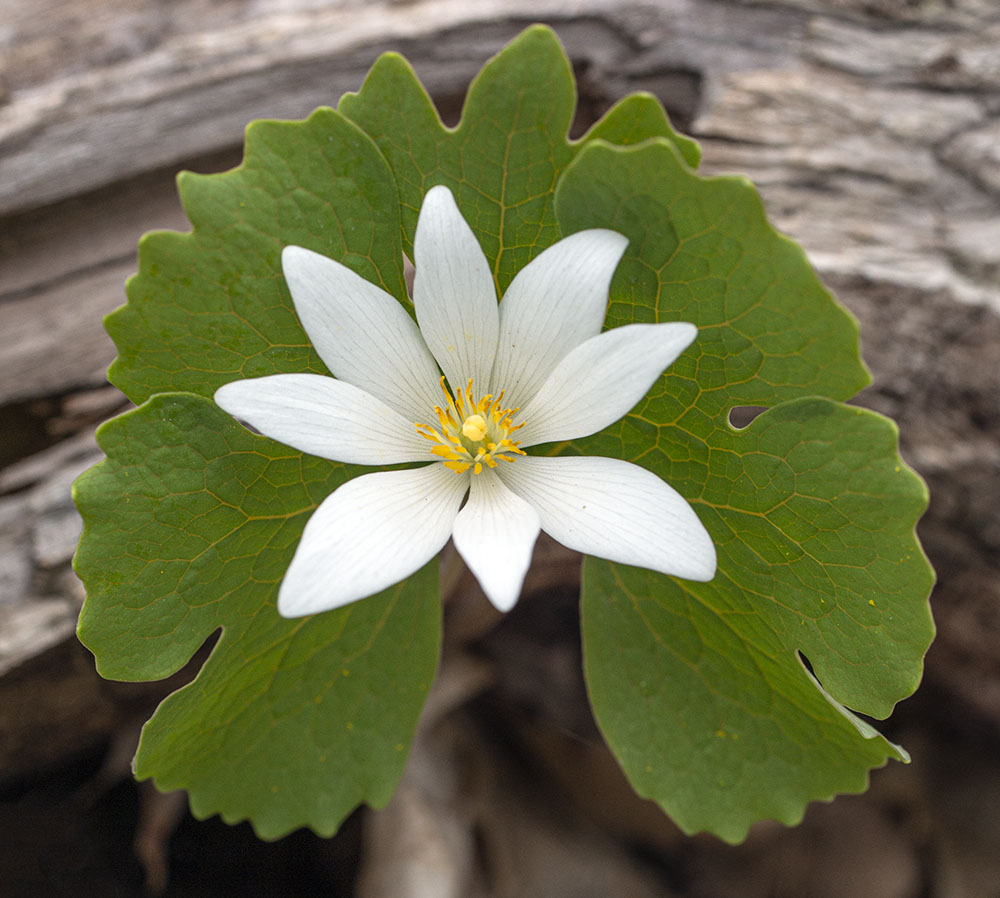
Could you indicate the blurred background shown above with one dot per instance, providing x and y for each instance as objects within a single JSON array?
[{"x": 872, "y": 128}]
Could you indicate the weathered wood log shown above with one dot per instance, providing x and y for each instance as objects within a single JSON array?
[
  {"x": 872, "y": 128},
  {"x": 874, "y": 148}
]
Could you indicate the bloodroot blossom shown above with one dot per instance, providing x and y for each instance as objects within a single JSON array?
[{"x": 533, "y": 369}]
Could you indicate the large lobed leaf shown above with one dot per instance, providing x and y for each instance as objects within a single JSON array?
[
  {"x": 699, "y": 687},
  {"x": 191, "y": 521},
  {"x": 190, "y": 524}
]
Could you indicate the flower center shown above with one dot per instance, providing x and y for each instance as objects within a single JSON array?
[{"x": 472, "y": 432}]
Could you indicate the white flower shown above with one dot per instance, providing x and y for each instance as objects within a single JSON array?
[{"x": 534, "y": 369}]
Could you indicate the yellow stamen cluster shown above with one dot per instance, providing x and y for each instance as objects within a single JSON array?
[{"x": 472, "y": 433}]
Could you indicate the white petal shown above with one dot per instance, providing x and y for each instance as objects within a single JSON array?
[
  {"x": 615, "y": 510},
  {"x": 495, "y": 533},
  {"x": 324, "y": 417},
  {"x": 555, "y": 302},
  {"x": 601, "y": 380},
  {"x": 453, "y": 292},
  {"x": 362, "y": 333},
  {"x": 370, "y": 533}
]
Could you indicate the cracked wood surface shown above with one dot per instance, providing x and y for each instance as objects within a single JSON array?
[
  {"x": 872, "y": 128},
  {"x": 875, "y": 144}
]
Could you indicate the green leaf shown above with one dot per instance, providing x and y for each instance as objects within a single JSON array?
[
  {"x": 198, "y": 535},
  {"x": 503, "y": 160},
  {"x": 211, "y": 306},
  {"x": 637, "y": 118},
  {"x": 191, "y": 522},
  {"x": 697, "y": 687},
  {"x": 189, "y": 526}
]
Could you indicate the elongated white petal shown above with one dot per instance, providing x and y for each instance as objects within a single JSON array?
[
  {"x": 362, "y": 333},
  {"x": 555, "y": 302},
  {"x": 601, "y": 380},
  {"x": 324, "y": 417},
  {"x": 453, "y": 292},
  {"x": 495, "y": 533},
  {"x": 615, "y": 510},
  {"x": 370, "y": 533}
]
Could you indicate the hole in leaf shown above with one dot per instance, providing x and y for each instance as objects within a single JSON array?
[{"x": 741, "y": 415}]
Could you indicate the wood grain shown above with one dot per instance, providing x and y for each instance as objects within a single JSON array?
[{"x": 872, "y": 128}]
